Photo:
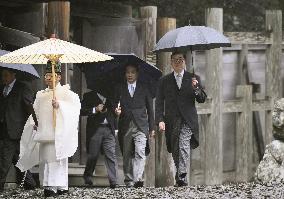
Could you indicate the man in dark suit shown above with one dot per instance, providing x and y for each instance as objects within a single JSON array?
[
  {"x": 100, "y": 133},
  {"x": 15, "y": 106},
  {"x": 176, "y": 113},
  {"x": 136, "y": 122}
]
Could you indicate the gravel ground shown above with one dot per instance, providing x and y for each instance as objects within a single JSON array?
[{"x": 243, "y": 190}]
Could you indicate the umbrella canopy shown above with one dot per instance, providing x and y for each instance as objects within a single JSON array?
[
  {"x": 65, "y": 52},
  {"x": 191, "y": 38},
  {"x": 26, "y": 68},
  {"x": 112, "y": 72},
  {"x": 54, "y": 50}
]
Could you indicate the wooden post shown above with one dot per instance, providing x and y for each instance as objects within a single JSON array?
[
  {"x": 214, "y": 137},
  {"x": 244, "y": 147},
  {"x": 58, "y": 23},
  {"x": 243, "y": 62},
  {"x": 273, "y": 63},
  {"x": 149, "y": 14},
  {"x": 244, "y": 79},
  {"x": 164, "y": 163},
  {"x": 163, "y": 59}
]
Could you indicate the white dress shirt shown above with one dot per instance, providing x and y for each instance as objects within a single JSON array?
[
  {"x": 8, "y": 88},
  {"x": 179, "y": 81},
  {"x": 131, "y": 88}
]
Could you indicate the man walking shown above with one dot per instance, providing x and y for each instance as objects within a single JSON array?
[
  {"x": 100, "y": 133},
  {"x": 57, "y": 134},
  {"x": 176, "y": 113},
  {"x": 15, "y": 106},
  {"x": 136, "y": 122}
]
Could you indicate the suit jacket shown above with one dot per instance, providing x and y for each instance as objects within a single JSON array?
[
  {"x": 15, "y": 108},
  {"x": 91, "y": 100},
  {"x": 138, "y": 109},
  {"x": 172, "y": 102}
]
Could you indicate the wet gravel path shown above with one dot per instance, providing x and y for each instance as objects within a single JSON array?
[{"x": 243, "y": 190}]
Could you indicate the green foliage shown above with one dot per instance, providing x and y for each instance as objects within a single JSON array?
[{"x": 239, "y": 15}]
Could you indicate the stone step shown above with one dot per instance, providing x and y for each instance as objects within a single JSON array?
[{"x": 75, "y": 173}]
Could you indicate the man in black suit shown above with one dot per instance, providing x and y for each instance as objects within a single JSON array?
[
  {"x": 100, "y": 133},
  {"x": 176, "y": 113},
  {"x": 15, "y": 106},
  {"x": 136, "y": 122}
]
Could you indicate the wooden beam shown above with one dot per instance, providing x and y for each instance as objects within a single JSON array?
[
  {"x": 244, "y": 147},
  {"x": 232, "y": 106},
  {"x": 164, "y": 168},
  {"x": 273, "y": 19},
  {"x": 91, "y": 9},
  {"x": 235, "y": 106},
  {"x": 18, "y": 3},
  {"x": 16, "y": 37},
  {"x": 213, "y": 138}
]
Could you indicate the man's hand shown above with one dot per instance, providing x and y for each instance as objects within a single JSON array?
[
  {"x": 99, "y": 108},
  {"x": 55, "y": 103},
  {"x": 162, "y": 126},
  {"x": 118, "y": 111},
  {"x": 194, "y": 82}
]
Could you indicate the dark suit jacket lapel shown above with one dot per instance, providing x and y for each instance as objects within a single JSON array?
[
  {"x": 185, "y": 80},
  {"x": 136, "y": 89},
  {"x": 173, "y": 80},
  {"x": 14, "y": 89},
  {"x": 126, "y": 90},
  {"x": 1, "y": 91}
]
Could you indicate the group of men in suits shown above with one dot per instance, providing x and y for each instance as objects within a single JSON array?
[{"x": 132, "y": 103}]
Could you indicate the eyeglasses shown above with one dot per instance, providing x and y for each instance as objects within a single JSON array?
[
  {"x": 178, "y": 60},
  {"x": 49, "y": 76}
]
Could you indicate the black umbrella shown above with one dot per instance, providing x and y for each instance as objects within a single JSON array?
[
  {"x": 26, "y": 69},
  {"x": 112, "y": 72}
]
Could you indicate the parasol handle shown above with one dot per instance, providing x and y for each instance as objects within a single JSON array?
[{"x": 53, "y": 92}]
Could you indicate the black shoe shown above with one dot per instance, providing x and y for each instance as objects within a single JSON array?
[
  {"x": 88, "y": 180},
  {"x": 112, "y": 186},
  {"x": 28, "y": 186},
  {"x": 181, "y": 183},
  {"x": 129, "y": 185},
  {"x": 49, "y": 193},
  {"x": 61, "y": 192},
  {"x": 138, "y": 184},
  {"x": 1, "y": 187}
]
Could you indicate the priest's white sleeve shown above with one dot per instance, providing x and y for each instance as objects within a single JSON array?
[
  {"x": 29, "y": 149},
  {"x": 67, "y": 119}
]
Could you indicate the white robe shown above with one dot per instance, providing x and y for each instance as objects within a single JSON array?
[{"x": 64, "y": 137}]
